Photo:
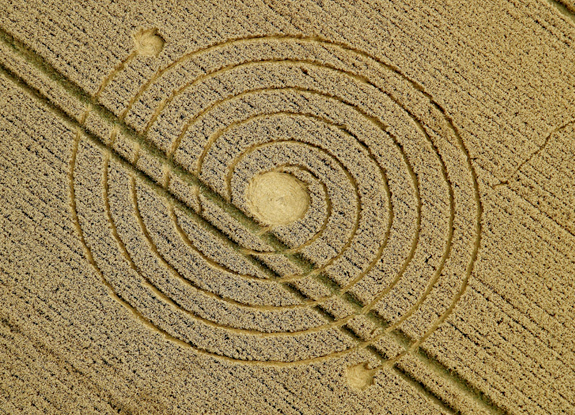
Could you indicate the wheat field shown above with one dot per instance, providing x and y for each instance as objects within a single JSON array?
[{"x": 272, "y": 207}]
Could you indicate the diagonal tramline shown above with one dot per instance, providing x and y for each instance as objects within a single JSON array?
[{"x": 145, "y": 147}]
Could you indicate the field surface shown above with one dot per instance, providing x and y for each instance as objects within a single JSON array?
[{"x": 271, "y": 207}]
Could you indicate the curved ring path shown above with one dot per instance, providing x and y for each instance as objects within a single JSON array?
[{"x": 443, "y": 143}]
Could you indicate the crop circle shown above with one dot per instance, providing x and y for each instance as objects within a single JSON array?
[
  {"x": 277, "y": 198},
  {"x": 360, "y": 174}
]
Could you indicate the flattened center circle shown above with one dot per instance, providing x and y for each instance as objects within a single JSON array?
[{"x": 277, "y": 198}]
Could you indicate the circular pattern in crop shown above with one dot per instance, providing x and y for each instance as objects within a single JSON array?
[
  {"x": 369, "y": 193},
  {"x": 277, "y": 198}
]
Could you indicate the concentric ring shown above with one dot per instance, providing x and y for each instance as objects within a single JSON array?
[{"x": 393, "y": 240}]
